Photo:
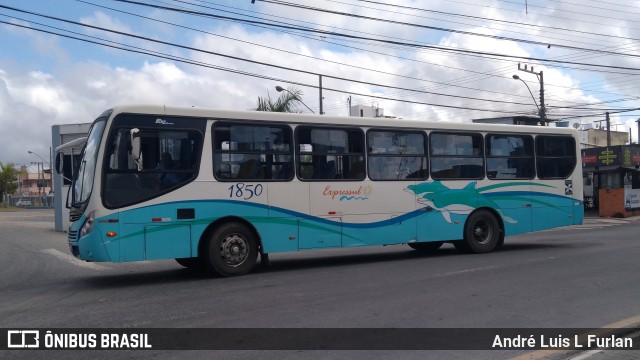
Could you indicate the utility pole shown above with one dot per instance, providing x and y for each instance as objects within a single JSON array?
[
  {"x": 638, "y": 140},
  {"x": 608, "y": 130},
  {"x": 320, "y": 88},
  {"x": 542, "y": 110}
]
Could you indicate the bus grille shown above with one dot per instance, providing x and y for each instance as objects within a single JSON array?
[
  {"x": 73, "y": 217},
  {"x": 73, "y": 236}
]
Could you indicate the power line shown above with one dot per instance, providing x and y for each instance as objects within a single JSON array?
[
  {"x": 138, "y": 50},
  {"x": 258, "y": 62},
  {"x": 531, "y": 42},
  {"x": 157, "y": 54},
  {"x": 407, "y": 44},
  {"x": 493, "y": 20},
  {"x": 293, "y": 53}
]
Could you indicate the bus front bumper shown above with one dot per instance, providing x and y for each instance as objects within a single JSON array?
[{"x": 90, "y": 247}]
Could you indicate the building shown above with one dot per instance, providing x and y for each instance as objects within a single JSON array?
[
  {"x": 34, "y": 183},
  {"x": 592, "y": 137},
  {"x": 368, "y": 111},
  {"x": 34, "y": 186},
  {"x": 510, "y": 120}
]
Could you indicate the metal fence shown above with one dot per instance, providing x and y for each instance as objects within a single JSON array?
[{"x": 42, "y": 201}]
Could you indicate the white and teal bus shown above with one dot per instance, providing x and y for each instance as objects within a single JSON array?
[{"x": 215, "y": 189}]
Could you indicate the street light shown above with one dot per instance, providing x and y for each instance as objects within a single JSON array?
[
  {"x": 525, "y": 84},
  {"x": 533, "y": 97},
  {"x": 45, "y": 161},
  {"x": 281, "y": 89}
]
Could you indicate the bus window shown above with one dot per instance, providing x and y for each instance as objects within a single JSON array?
[
  {"x": 252, "y": 152},
  {"x": 330, "y": 153},
  {"x": 396, "y": 155},
  {"x": 510, "y": 157},
  {"x": 555, "y": 156},
  {"x": 456, "y": 156},
  {"x": 169, "y": 160}
]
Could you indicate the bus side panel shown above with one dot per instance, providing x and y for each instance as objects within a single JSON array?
[
  {"x": 372, "y": 212},
  {"x": 578, "y": 196},
  {"x": 378, "y": 229},
  {"x": 288, "y": 201},
  {"x": 513, "y": 202},
  {"x": 278, "y": 234},
  {"x": 434, "y": 226},
  {"x": 320, "y": 232},
  {"x": 131, "y": 241},
  {"x": 167, "y": 241},
  {"x": 153, "y": 232},
  {"x": 553, "y": 205},
  {"x": 105, "y": 224},
  {"x": 578, "y": 212}
]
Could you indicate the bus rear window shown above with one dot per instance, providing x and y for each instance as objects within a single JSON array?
[
  {"x": 510, "y": 157},
  {"x": 555, "y": 156}
]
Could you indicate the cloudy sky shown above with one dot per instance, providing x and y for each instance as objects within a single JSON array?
[{"x": 66, "y": 61}]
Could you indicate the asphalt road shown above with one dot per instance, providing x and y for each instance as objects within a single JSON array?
[{"x": 578, "y": 277}]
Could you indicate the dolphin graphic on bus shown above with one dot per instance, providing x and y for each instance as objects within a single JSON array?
[{"x": 453, "y": 201}]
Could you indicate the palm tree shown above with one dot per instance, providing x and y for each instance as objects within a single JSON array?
[
  {"x": 8, "y": 178},
  {"x": 286, "y": 102}
]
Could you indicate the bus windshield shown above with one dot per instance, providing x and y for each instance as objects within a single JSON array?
[{"x": 83, "y": 183}]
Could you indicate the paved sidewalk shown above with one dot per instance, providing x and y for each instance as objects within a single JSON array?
[{"x": 591, "y": 215}]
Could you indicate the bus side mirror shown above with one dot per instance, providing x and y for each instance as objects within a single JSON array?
[{"x": 59, "y": 163}]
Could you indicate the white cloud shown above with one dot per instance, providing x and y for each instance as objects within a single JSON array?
[{"x": 102, "y": 20}]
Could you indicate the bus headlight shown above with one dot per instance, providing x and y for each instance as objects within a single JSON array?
[{"x": 88, "y": 225}]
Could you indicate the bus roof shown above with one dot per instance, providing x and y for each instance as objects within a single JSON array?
[{"x": 297, "y": 118}]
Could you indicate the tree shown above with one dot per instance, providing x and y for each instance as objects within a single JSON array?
[
  {"x": 286, "y": 102},
  {"x": 8, "y": 179}
]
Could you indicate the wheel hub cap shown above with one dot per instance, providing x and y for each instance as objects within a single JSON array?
[{"x": 234, "y": 250}]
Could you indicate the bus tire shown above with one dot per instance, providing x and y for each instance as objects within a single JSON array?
[
  {"x": 231, "y": 250},
  {"x": 481, "y": 232},
  {"x": 430, "y": 246},
  {"x": 190, "y": 263}
]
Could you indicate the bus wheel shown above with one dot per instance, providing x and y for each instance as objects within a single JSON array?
[
  {"x": 190, "y": 263},
  {"x": 231, "y": 250},
  {"x": 426, "y": 246},
  {"x": 481, "y": 232}
]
